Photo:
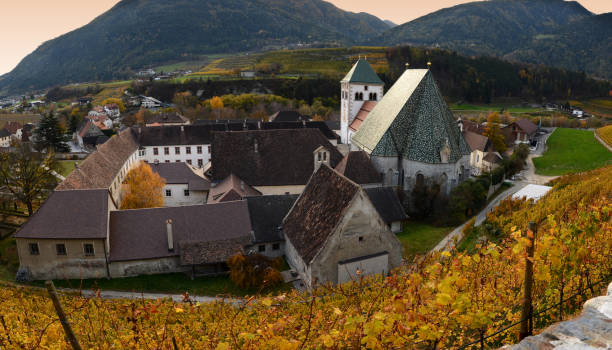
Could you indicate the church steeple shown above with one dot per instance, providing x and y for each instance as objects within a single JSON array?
[{"x": 361, "y": 84}]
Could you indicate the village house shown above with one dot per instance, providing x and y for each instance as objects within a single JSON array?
[
  {"x": 183, "y": 186},
  {"x": 480, "y": 146},
  {"x": 412, "y": 137},
  {"x": 5, "y": 138},
  {"x": 272, "y": 161},
  {"x": 171, "y": 144},
  {"x": 231, "y": 189},
  {"x": 15, "y": 128},
  {"x": 88, "y": 135},
  {"x": 150, "y": 102},
  {"x": 359, "y": 86},
  {"x": 388, "y": 206},
  {"x": 356, "y": 165},
  {"x": 112, "y": 110},
  {"x": 334, "y": 234},
  {"x": 521, "y": 131}
]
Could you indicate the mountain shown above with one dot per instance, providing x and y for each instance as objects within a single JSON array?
[
  {"x": 537, "y": 31},
  {"x": 137, "y": 33},
  {"x": 586, "y": 43},
  {"x": 390, "y": 23}
]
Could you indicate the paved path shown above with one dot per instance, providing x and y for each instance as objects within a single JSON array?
[
  {"x": 448, "y": 241},
  {"x": 602, "y": 141},
  {"x": 178, "y": 298}
]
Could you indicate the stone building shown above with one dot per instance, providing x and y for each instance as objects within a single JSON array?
[
  {"x": 412, "y": 137},
  {"x": 358, "y": 167},
  {"x": 360, "y": 86},
  {"x": 333, "y": 230},
  {"x": 267, "y": 214}
]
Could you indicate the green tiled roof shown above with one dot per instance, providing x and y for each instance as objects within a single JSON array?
[
  {"x": 362, "y": 72},
  {"x": 412, "y": 120}
]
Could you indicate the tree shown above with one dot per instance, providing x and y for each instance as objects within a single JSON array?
[
  {"x": 216, "y": 103},
  {"x": 254, "y": 271},
  {"x": 28, "y": 175},
  {"x": 144, "y": 188},
  {"x": 50, "y": 136},
  {"x": 74, "y": 122},
  {"x": 117, "y": 101},
  {"x": 493, "y": 132}
]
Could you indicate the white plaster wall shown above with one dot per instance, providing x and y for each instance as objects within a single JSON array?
[
  {"x": 349, "y": 106},
  {"x": 297, "y": 264},
  {"x": 270, "y": 251},
  {"x": 178, "y": 198},
  {"x": 146, "y": 267},
  {"x": 115, "y": 188},
  {"x": 148, "y": 156},
  {"x": 372, "y": 266}
]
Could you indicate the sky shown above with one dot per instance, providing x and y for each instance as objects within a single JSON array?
[{"x": 25, "y": 24}]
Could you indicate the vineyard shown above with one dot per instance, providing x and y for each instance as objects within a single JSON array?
[
  {"x": 440, "y": 301},
  {"x": 605, "y": 134}
]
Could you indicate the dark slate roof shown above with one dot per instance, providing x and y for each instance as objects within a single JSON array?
[
  {"x": 387, "y": 204},
  {"x": 231, "y": 188},
  {"x": 283, "y": 157},
  {"x": 322, "y": 126},
  {"x": 492, "y": 157},
  {"x": 176, "y": 135},
  {"x": 287, "y": 116},
  {"x": 358, "y": 167},
  {"x": 267, "y": 214},
  {"x": 142, "y": 234},
  {"x": 318, "y": 211},
  {"x": 362, "y": 72},
  {"x": 469, "y": 125},
  {"x": 4, "y": 133},
  {"x": 100, "y": 169},
  {"x": 413, "y": 121},
  {"x": 181, "y": 173},
  {"x": 95, "y": 140},
  {"x": 333, "y": 124},
  {"x": 476, "y": 141},
  {"x": 69, "y": 215}
]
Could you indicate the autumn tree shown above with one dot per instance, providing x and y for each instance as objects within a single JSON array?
[
  {"x": 254, "y": 271},
  {"x": 144, "y": 188},
  {"x": 493, "y": 132},
  {"x": 117, "y": 101},
  {"x": 28, "y": 175},
  {"x": 216, "y": 103}
]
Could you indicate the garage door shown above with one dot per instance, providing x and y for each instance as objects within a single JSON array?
[{"x": 368, "y": 265}]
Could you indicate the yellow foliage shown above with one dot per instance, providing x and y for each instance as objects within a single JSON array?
[
  {"x": 116, "y": 101},
  {"x": 143, "y": 188},
  {"x": 605, "y": 134}
]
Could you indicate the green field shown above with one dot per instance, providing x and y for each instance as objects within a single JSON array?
[
  {"x": 419, "y": 238},
  {"x": 571, "y": 151},
  {"x": 494, "y": 108},
  {"x": 66, "y": 167},
  {"x": 21, "y": 118}
]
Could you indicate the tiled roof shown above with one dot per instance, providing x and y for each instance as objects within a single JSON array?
[
  {"x": 69, "y": 215},
  {"x": 469, "y": 125},
  {"x": 267, "y": 214},
  {"x": 176, "y": 135},
  {"x": 412, "y": 121},
  {"x": 12, "y": 127},
  {"x": 526, "y": 125},
  {"x": 492, "y": 157},
  {"x": 231, "y": 188},
  {"x": 142, "y": 233},
  {"x": 362, "y": 72},
  {"x": 363, "y": 113},
  {"x": 476, "y": 141},
  {"x": 358, "y": 167},
  {"x": 322, "y": 126},
  {"x": 100, "y": 169},
  {"x": 318, "y": 211},
  {"x": 387, "y": 204},
  {"x": 180, "y": 173},
  {"x": 269, "y": 157}
]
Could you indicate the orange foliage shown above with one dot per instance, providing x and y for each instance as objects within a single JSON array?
[{"x": 144, "y": 188}]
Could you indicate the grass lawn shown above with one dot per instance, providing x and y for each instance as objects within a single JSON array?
[
  {"x": 176, "y": 283},
  {"x": 67, "y": 167},
  {"x": 9, "y": 261},
  {"x": 419, "y": 237},
  {"x": 570, "y": 151}
]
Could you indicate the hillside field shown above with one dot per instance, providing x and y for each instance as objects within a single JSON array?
[{"x": 571, "y": 151}]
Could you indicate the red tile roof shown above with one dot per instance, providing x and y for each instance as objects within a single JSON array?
[{"x": 363, "y": 113}]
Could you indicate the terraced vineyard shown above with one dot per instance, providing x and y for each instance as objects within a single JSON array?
[{"x": 605, "y": 134}]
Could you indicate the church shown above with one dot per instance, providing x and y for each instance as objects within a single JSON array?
[{"x": 409, "y": 133}]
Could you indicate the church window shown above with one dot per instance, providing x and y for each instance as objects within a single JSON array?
[
  {"x": 420, "y": 180},
  {"x": 375, "y": 97},
  {"x": 366, "y": 88}
]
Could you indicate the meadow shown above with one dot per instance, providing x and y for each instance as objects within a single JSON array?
[{"x": 570, "y": 151}]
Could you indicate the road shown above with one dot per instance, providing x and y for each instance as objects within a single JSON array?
[{"x": 448, "y": 241}]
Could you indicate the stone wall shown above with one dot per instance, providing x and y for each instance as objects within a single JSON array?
[
  {"x": 146, "y": 267},
  {"x": 591, "y": 330}
]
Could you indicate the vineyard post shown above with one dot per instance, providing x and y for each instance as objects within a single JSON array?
[
  {"x": 62, "y": 316},
  {"x": 527, "y": 312}
]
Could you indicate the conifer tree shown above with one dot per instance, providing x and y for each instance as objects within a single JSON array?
[{"x": 50, "y": 135}]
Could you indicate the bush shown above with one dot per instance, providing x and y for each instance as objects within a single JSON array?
[{"x": 254, "y": 271}]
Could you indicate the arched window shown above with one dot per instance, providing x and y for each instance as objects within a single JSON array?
[
  {"x": 420, "y": 180},
  {"x": 375, "y": 95},
  {"x": 357, "y": 96},
  {"x": 389, "y": 179},
  {"x": 361, "y": 96}
]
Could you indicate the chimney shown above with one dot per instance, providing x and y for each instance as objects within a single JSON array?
[
  {"x": 170, "y": 235},
  {"x": 255, "y": 146},
  {"x": 182, "y": 128},
  {"x": 242, "y": 186}
]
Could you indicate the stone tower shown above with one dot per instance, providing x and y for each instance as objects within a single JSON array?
[{"x": 361, "y": 84}]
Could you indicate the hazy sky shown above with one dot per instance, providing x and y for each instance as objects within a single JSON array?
[{"x": 25, "y": 24}]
